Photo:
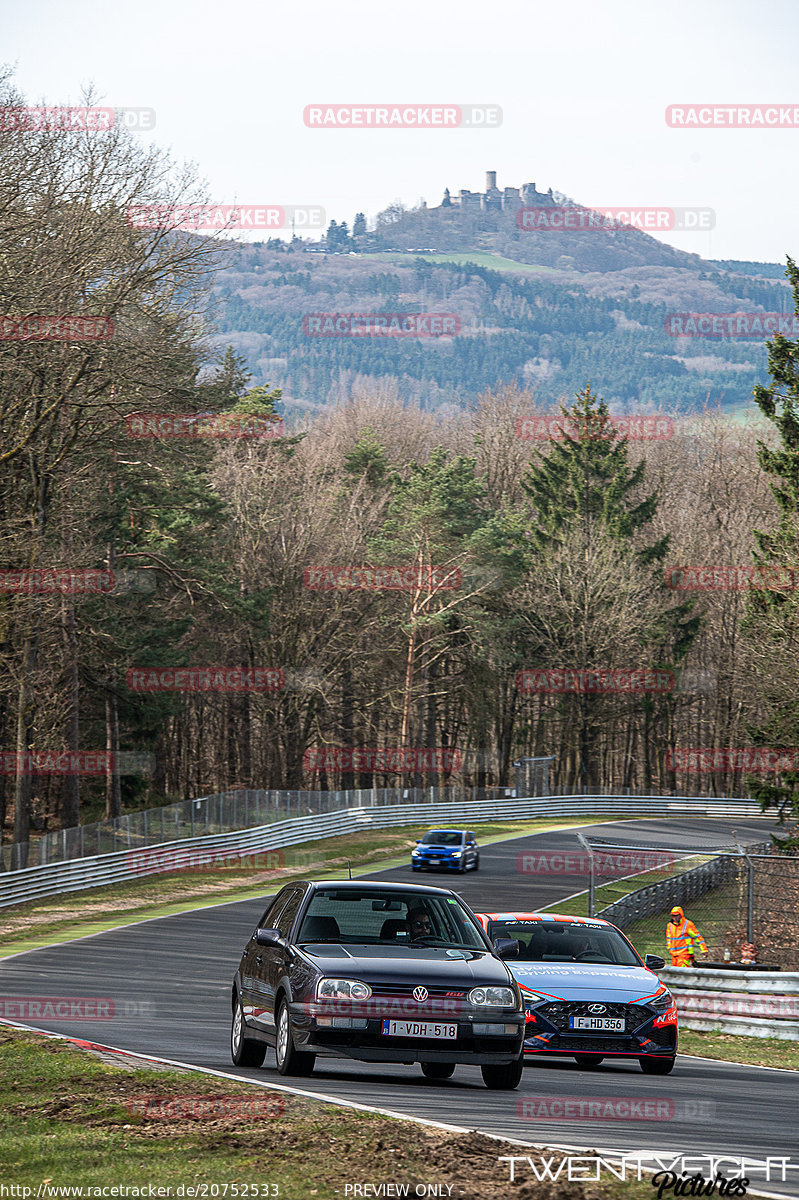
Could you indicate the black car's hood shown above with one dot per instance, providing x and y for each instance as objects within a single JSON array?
[{"x": 398, "y": 965}]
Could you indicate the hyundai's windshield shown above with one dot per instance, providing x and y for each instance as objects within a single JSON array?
[
  {"x": 351, "y": 916},
  {"x": 442, "y": 837},
  {"x": 561, "y": 941}
]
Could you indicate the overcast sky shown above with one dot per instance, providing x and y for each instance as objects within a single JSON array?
[{"x": 583, "y": 87}]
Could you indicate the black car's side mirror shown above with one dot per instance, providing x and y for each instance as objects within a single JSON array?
[
  {"x": 653, "y": 962},
  {"x": 269, "y": 937},
  {"x": 506, "y": 948}
]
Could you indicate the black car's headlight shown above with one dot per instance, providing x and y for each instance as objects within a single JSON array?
[
  {"x": 662, "y": 1002},
  {"x": 342, "y": 989},
  {"x": 503, "y": 997}
]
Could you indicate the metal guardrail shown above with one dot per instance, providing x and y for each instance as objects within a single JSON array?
[
  {"x": 32, "y": 883},
  {"x": 762, "y": 1004}
]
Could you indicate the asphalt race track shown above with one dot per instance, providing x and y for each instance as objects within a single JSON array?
[{"x": 169, "y": 980}]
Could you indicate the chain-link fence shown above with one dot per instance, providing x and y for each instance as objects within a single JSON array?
[
  {"x": 735, "y": 899},
  {"x": 243, "y": 808}
]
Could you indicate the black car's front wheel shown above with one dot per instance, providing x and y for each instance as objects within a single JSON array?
[
  {"x": 244, "y": 1051},
  {"x": 289, "y": 1060},
  {"x": 504, "y": 1078},
  {"x": 437, "y": 1070},
  {"x": 657, "y": 1066}
]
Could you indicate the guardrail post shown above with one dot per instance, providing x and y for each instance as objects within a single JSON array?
[{"x": 145, "y": 838}]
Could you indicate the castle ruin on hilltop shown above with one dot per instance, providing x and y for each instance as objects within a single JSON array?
[{"x": 498, "y": 198}]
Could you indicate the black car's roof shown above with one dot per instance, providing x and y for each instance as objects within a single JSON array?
[{"x": 375, "y": 885}]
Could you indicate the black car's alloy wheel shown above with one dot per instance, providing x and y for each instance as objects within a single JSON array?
[
  {"x": 289, "y": 1060},
  {"x": 244, "y": 1051},
  {"x": 657, "y": 1066},
  {"x": 504, "y": 1078},
  {"x": 437, "y": 1070}
]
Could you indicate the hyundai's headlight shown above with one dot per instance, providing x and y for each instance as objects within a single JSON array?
[
  {"x": 662, "y": 1002},
  {"x": 532, "y": 997},
  {"x": 503, "y": 996},
  {"x": 342, "y": 989}
]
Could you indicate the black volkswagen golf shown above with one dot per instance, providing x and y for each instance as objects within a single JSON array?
[{"x": 379, "y": 972}]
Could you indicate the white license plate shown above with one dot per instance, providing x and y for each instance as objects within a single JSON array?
[
  {"x": 610, "y": 1024},
  {"x": 425, "y": 1029},
  {"x": 435, "y": 862}
]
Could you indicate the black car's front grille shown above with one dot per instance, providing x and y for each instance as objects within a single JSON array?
[
  {"x": 559, "y": 1013},
  {"x": 405, "y": 992}
]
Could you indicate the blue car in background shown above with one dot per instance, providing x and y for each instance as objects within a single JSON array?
[
  {"x": 587, "y": 993},
  {"x": 446, "y": 850}
]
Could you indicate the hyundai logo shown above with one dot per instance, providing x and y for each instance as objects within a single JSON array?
[
  {"x": 596, "y": 1008},
  {"x": 420, "y": 994}
]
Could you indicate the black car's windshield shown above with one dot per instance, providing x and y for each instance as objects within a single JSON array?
[
  {"x": 442, "y": 837},
  {"x": 355, "y": 916},
  {"x": 562, "y": 941}
]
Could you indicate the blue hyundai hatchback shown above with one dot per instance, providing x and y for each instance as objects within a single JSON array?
[
  {"x": 587, "y": 993},
  {"x": 446, "y": 850}
]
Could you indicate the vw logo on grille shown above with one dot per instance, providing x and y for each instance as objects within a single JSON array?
[
  {"x": 420, "y": 994},
  {"x": 596, "y": 1008}
]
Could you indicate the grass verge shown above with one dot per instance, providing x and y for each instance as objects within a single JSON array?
[
  {"x": 75, "y": 914},
  {"x": 68, "y": 1118},
  {"x": 752, "y": 1051}
]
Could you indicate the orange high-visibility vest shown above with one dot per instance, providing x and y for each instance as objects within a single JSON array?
[{"x": 682, "y": 942}]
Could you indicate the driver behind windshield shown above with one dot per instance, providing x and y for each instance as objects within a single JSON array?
[{"x": 418, "y": 923}]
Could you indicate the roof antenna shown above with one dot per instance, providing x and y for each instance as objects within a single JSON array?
[{"x": 349, "y": 869}]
